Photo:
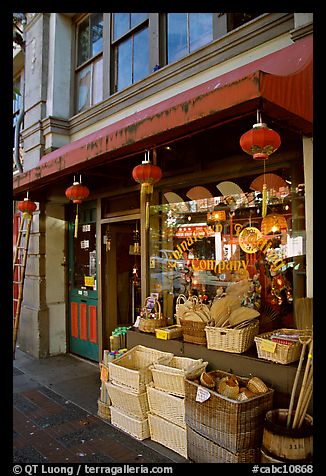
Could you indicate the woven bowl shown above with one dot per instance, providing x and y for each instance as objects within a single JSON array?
[
  {"x": 228, "y": 387},
  {"x": 256, "y": 385}
]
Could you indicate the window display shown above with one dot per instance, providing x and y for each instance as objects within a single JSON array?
[{"x": 204, "y": 245}]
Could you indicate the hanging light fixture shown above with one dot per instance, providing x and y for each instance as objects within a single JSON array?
[
  {"x": 260, "y": 142},
  {"x": 273, "y": 223},
  {"x": 27, "y": 206},
  {"x": 77, "y": 193},
  {"x": 147, "y": 175}
]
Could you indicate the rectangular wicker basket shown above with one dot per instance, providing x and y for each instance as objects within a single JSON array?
[
  {"x": 132, "y": 369},
  {"x": 133, "y": 426},
  {"x": 167, "y": 406},
  {"x": 168, "y": 434},
  {"x": 103, "y": 410},
  {"x": 232, "y": 340},
  {"x": 123, "y": 399},
  {"x": 202, "y": 450},
  {"x": 233, "y": 424},
  {"x": 193, "y": 331},
  {"x": 170, "y": 378},
  {"x": 276, "y": 352}
]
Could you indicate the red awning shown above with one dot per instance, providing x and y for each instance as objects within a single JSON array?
[{"x": 282, "y": 80}]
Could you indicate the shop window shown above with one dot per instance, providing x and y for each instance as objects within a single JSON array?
[
  {"x": 202, "y": 246},
  {"x": 186, "y": 32},
  {"x": 89, "y": 72},
  {"x": 237, "y": 19},
  {"x": 131, "y": 48}
]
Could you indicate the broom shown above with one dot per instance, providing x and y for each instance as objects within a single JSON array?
[{"x": 303, "y": 320}]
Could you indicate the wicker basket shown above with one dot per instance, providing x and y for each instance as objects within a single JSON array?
[
  {"x": 132, "y": 368},
  {"x": 202, "y": 450},
  {"x": 168, "y": 434},
  {"x": 276, "y": 352},
  {"x": 170, "y": 378},
  {"x": 128, "y": 402},
  {"x": 135, "y": 427},
  {"x": 149, "y": 324},
  {"x": 193, "y": 331},
  {"x": 232, "y": 424},
  {"x": 103, "y": 410},
  {"x": 232, "y": 340},
  {"x": 167, "y": 406}
]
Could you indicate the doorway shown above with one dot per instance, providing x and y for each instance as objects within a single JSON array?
[
  {"x": 121, "y": 274},
  {"x": 83, "y": 296}
]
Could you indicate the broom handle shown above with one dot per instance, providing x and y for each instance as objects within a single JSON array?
[
  {"x": 303, "y": 350},
  {"x": 306, "y": 402},
  {"x": 303, "y": 386}
]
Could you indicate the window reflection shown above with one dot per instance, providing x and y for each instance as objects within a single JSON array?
[
  {"x": 206, "y": 244},
  {"x": 187, "y": 32},
  {"x": 141, "y": 55},
  {"x": 124, "y": 64}
]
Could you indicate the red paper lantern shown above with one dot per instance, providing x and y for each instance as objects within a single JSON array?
[
  {"x": 147, "y": 175},
  {"x": 77, "y": 193},
  {"x": 260, "y": 141},
  {"x": 27, "y": 206}
]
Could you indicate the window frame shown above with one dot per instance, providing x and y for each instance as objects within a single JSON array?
[
  {"x": 115, "y": 43},
  {"x": 91, "y": 61}
]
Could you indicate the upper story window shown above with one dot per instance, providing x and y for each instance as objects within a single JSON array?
[
  {"x": 17, "y": 100},
  {"x": 186, "y": 32},
  {"x": 130, "y": 41},
  {"x": 89, "y": 61}
]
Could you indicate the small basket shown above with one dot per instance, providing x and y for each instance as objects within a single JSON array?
[
  {"x": 103, "y": 410},
  {"x": 134, "y": 404},
  {"x": 139, "y": 429},
  {"x": 149, "y": 323},
  {"x": 167, "y": 406},
  {"x": 132, "y": 368},
  {"x": 171, "y": 378},
  {"x": 193, "y": 331},
  {"x": 232, "y": 340},
  {"x": 277, "y": 352},
  {"x": 168, "y": 434}
]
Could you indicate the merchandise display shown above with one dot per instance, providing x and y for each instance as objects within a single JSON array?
[{"x": 206, "y": 416}]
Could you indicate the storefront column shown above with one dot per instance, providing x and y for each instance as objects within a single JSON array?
[
  {"x": 33, "y": 333},
  {"x": 56, "y": 265},
  {"x": 308, "y": 178}
]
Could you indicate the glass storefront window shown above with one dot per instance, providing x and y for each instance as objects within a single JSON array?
[{"x": 204, "y": 245}]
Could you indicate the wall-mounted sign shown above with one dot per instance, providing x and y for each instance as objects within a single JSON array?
[{"x": 89, "y": 281}]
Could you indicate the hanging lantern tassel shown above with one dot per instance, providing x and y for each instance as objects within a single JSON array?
[
  {"x": 77, "y": 193},
  {"x": 76, "y": 223},
  {"x": 264, "y": 204}
]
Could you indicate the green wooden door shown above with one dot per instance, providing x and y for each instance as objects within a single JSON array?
[{"x": 83, "y": 315}]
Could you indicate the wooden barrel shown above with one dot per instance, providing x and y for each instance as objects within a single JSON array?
[{"x": 282, "y": 444}]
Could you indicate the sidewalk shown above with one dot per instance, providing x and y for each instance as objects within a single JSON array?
[{"x": 55, "y": 417}]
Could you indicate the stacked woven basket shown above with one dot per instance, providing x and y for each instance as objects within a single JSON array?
[
  {"x": 166, "y": 397},
  {"x": 128, "y": 377}
]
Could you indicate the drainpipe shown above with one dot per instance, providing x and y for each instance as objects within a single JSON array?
[{"x": 17, "y": 135}]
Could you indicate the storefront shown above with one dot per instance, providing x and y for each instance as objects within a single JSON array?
[{"x": 208, "y": 199}]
